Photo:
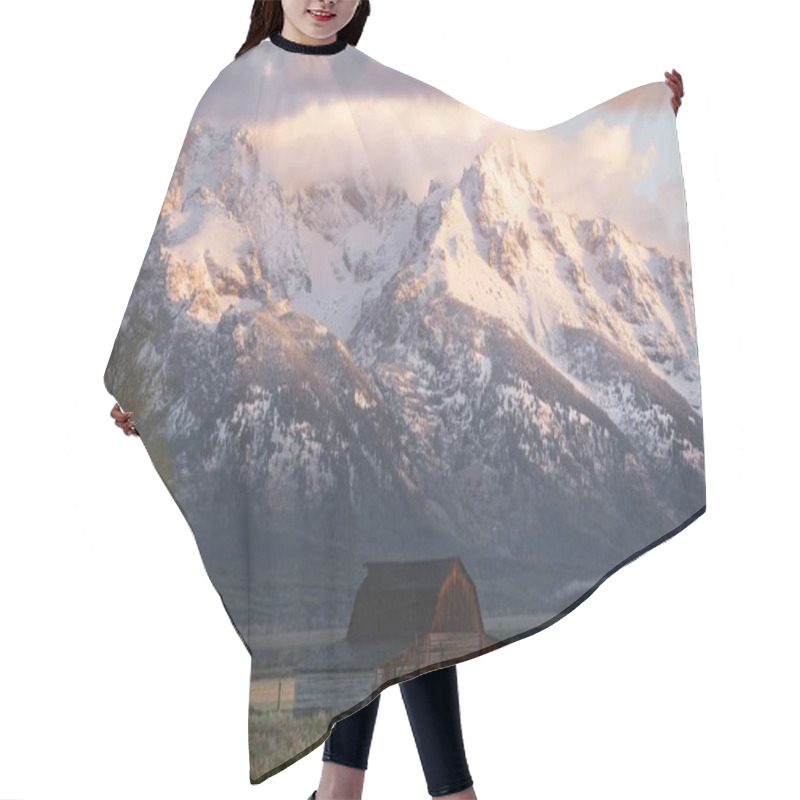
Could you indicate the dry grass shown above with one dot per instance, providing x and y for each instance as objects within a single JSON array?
[{"x": 277, "y": 738}]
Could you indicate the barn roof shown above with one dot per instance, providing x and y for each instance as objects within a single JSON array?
[
  {"x": 398, "y": 598},
  {"x": 406, "y": 575}
]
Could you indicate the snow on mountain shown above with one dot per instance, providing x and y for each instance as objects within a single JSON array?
[{"x": 484, "y": 357}]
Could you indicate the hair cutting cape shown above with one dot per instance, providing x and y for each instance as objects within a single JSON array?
[{"x": 418, "y": 381}]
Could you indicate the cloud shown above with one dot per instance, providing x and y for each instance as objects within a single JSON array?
[
  {"x": 615, "y": 160},
  {"x": 402, "y": 140},
  {"x": 593, "y": 167}
]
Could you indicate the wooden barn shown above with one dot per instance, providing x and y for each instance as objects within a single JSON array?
[{"x": 407, "y": 615}]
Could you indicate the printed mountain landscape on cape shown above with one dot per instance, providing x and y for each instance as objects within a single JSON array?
[{"x": 441, "y": 362}]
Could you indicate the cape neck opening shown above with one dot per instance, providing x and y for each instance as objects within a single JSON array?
[{"x": 309, "y": 49}]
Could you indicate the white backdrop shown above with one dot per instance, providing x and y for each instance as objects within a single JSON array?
[{"x": 120, "y": 673}]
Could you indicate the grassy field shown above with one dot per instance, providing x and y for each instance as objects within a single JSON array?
[{"x": 276, "y": 736}]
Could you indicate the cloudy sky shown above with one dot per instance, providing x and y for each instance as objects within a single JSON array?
[{"x": 323, "y": 117}]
